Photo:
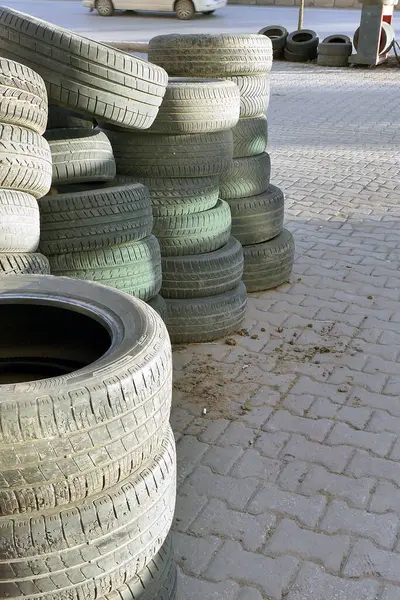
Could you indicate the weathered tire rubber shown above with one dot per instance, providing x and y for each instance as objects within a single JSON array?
[
  {"x": 336, "y": 45},
  {"x": 206, "y": 319},
  {"x": 386, "y": 38},
  {"x": 247, "y": 177},
  {"x": 104, "y": 408},
  {"x": 19, "y": 222},
  {"x": 159, "y": 305},
  {"x": 303, "y": 41},
  {"x": 23, "y": 264},
  {"x": 254, "y": 94},
  {"x": 97, "y": 544},
  {"x": 61, "y": 118},
  {"x": 259, "y": 218},
  {"x": 25, "y": 161},
  {"x": 94, "y": 218},
  {"x": 133, "y": 268},
  {"x": 23, "y": 97},
  {"x": 162, "y": 155},
  {"x": 292, "y": 57},
  {"x": 269, "y": 264},
  {"x": 250, "y": 137},
  {"x": 113, "y": 85},
  {"x": 202, "y": 275},
  {"x": 277, "y": 34},
  {"x": 158, "y": 581},
  {"x": 195, "y": 233},
  {"x": 330, "y": 60},
  {"x": 211, "y": 55},
  {"x": 198, "y": 106},
  {"x": 80, "y": 156}
]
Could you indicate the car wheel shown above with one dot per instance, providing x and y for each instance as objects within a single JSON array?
[
  {"x": 184, "y": 9},
  {"x": 105, "y": 8}
]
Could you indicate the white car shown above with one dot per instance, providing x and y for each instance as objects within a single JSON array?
[{"x": 184, "y": 9}]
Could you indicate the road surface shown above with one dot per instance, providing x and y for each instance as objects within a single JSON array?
[{"x": 143, "y": 26}]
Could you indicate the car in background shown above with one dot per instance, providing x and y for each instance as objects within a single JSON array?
[{"x": 184, "y": 9}]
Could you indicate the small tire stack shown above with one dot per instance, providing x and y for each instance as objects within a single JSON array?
[
  {"x": 180, "y": 159},
  {"x": 25, "y": 168},
  {"x": 257, "y": 207},
  {"x": 301, "y": 46},
  {"x": 277, "y": 34},
  {"x": 88, "y": 480},
  {"x": 334, "y": 51}
]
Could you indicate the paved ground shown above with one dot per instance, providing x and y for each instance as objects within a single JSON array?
[
  {"x": 143, "y": 26},
  {"x": 289, "y": 487}
]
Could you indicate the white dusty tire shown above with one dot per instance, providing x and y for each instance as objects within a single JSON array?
[{"x": 19, "y": 222}]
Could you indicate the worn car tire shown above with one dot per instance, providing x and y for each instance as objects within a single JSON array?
[
  {"x": 163, "y": 155},
  {"x": 61, "y": 118},
  {"x": 82, "y": 74},
  {"x": 195, "y": 233},
  {"x": 331, "y": 60},
  {"x": 19, "y": 222},
  {"x": 247, "y": 177},
  {"x": 199, "y": 275},
  {"x": 206, "y": 319},
  {"x": 302, "y": 41},
  {"x": 25, "y": 161},
  {"x": 100, "y": 402},
  {"x": 94, "y": 218},
  {"x": 292, "y": 57},
  {"x": 23, "y": 97},
  {"x": 159, "y": 305},
  {"x": 269, "y": 264},
  {"x": 336, "y": 45},
  {"x": 80, "y": 156},
  {"x": 250, "y": 137},
  {"x": 23, "y": 263},
  {"x": 133, "y": 268},
  {"x": 198, "y": 106},
  {"x": 254, "y": 94},
  {"x": 211, "y": 55},
  {"x": 277, "y": 34},
  {"x": 386, "y": 39},
  {"x": 258, "y": 218}
]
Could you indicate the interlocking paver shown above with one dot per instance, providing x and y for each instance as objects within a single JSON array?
[{"x": 299, "y": 450}]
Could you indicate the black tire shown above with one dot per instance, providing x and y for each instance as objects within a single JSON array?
[
  {"x": 336, "y": 45},
  {"x": 97, "y": 544},
  {"x": 386, "y": 39},
  {"x": 112, "y": 85},
  {"x": 259, "y": 218},
  {"x": 302, "y": 41},
  {"x": 202, "y": 275},
  {"x": 159, "y": 305},
  {"x": 269, "y": 264},
  {"x": 133, "y": 268},
  {"x": 206, "y": 319},
  {"x": 250, "y": 137},
  {"x": 291, "y": 57},
  {"x": 80, "y": 156},
  {"x": 94, "y": 218},
  {"x": 105, "y": 8},
  {"x": 184, "y": 9},
  {"x": 198, "y": 106},
  {"x": 254, "y": 94},
  {"x": 211, "y": 55},
  {"x": 277, "y": 34},
  {"x": 19, "y": 222},
  {"x": 61, "y": 118},
  {"x": 247, "y": 177},
  {"x": 23, "y": 97},
  {"x": 25, "y": 161},
  {"x": 195, "y": 233},
  {"x": 108, "y": 358},
  {"x": 23, "y": 264},
  {"x": 158, "y": 155},
  {"x": 330, "y": 60}
]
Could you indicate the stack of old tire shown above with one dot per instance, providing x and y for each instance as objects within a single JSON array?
[
  {"x": 277, "y": 34},
  {"x": 88, "y": 480},
  {"x": 334, "y": 51},
  {"x": 301, "y": 46},
  {"x": 180, "y": 159},
  {"x": 25, "y": 167},
  {"x": 257, "y": 207}
]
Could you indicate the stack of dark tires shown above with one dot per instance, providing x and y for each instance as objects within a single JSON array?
[
  {"x": 88, "y": 480},
  {"x": 277, "y": 34},
  {"x": 180, "y": 159},
  {"x": 301, "y": 46},
  {"x": 257, "y": 207},
  {"x": 25, "y": 167},
  {"x": 334, "y": 51}
]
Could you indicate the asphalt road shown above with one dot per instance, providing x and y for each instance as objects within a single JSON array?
[{"x": 142, "y": 26}]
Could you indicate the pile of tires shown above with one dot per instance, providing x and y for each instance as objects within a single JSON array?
[
  {"x": 301, "y": 46},
  {"x": 88, "y": 480},
  {"x": 180, "y": 159},
  {"x": 334, "y": 51},
  {"x": 25, "y": 168},
  {"x": 256, "y": 206},
  {"x": 277, "y": 34}
]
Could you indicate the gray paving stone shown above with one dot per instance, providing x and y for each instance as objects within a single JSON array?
[
  {"x": 378, "y": 443},
  {"x": 270, "y": 574},
  {"x": 221, "y": 459},
  {"x": 383, "y": 421},
  {"x": 386, "y": 497},
  {"x": 192, "y": 553},
  {"x": 249, "y": 594},
  {"x": 187, "y": 508},
  {"x": 335, "y": 458},
  {"x": 356, "y": 491},
  {"x": 189, "y": 451},
  {"x": 363, "y": 464},
  {"x": 282, "y": 420},
  {"x": 271, "y": 443},
  {"x": 253, "y": 464},
  {"x": 366, "y": 559},
  {"x": 298, "y": 405},
  {"x": 341, "y": 518},
  {"x": 391, "y": 592},
  {"x": 292, "y": 474},
  {"x": 357, "y": 416},
  {"x": 191, "y": 588},
  {"x": 237, "y": 434}
]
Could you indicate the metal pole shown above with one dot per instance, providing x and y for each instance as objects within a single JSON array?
[{"x": 301, "y": 15}]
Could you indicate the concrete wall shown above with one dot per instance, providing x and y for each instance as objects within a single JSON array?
[{"x": 319, "y": 3}]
